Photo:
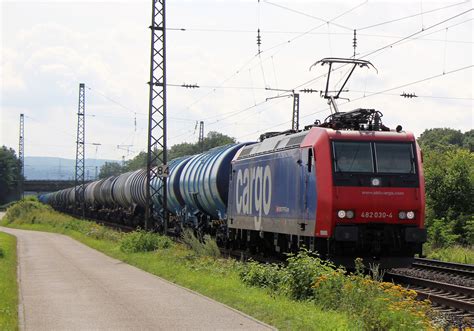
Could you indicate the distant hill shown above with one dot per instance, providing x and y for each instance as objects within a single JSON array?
[{"x": 38, "y": 167}]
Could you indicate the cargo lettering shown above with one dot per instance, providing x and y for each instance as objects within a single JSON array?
[{"x": 253, "y": 191}]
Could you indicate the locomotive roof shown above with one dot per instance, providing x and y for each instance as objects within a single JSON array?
[
  {"x": 289, "y": 141},
  {"x": 359, "y": 135},
  {"x": 273, "y": 143}
]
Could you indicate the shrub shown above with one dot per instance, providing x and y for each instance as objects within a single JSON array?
[
  {"x": 2, "y": 254},
  {"x": 143, "y": 241},
  {"x": 441, "y": 234},
  {"x": 262, "y": 275},
  {"x": 301, "y": 272},
  {"x": 206, "y": 246},
  {"x": 373, "y": 305}
]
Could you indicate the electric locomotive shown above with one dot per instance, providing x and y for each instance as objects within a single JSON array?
[{"x": 343, "y": 193}]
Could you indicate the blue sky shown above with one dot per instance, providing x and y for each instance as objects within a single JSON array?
[{"x": 48, "y": 48}]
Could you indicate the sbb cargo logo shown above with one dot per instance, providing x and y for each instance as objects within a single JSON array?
[{"x": 253, "y": 192}]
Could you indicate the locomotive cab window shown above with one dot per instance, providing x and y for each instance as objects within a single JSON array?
[
  {"x": 395, "y": 158},
  {"x": 353, "y": 157}
]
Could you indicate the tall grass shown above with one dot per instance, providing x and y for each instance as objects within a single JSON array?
[
  {"x": 206, "y": 246},
  {"x": 455, "y": 253},
  {"x": 8, "y": 283}
]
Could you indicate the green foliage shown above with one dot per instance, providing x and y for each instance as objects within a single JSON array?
[
  {"x": 212, "y": 140},
  {"x": 206, "y": 246},
  {"x": 449, "y": 178},
  {"x": 441, "y": 139},
  {"x": 371, "y": 304},
  {"x": 143, "y": 241},
  {"x": 138, "y": 162},
  {"x": 29, "y": 211},
  {"x": 454, "y": 253},
  {"x": 110, "y": 169},
  {"x": 8, "y": 283},
  {"x": 440, "y": 233},
  {"x": 262, "y": 275},
  {"x": 449, "y": 181},
  {"x": 10, "y": 175}
]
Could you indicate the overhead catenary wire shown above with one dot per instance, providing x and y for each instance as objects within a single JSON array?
[{"x": 368, "y": 95}]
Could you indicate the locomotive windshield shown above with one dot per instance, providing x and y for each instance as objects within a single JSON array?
[
  {"x": 367, "y": 157},
  {"x": 395, "y": 158},
  {"x": 353, "y": 157}
]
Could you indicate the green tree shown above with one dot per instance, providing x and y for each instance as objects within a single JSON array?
[
  {"x": 213, "y": 139},
  {"x": 110, "y": 169},
  {"x": 441, "y": 139},
  {"x": 469, "y": 140},
  {"x": 10, "y": 175},
  {"x": 138, "y": 162},
  {"x": 449, "y": 177}
]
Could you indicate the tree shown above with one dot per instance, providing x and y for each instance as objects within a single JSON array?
[
  {"x": 449, "y": 177},
  {"x": 212, "y": 140},
  {"x": 10, "y": 175},
  {"x": 441, "y": 139},
  {"x": 110, "y": 169}
]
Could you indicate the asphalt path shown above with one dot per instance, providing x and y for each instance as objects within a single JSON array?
[{"x": 65, "y": 285}]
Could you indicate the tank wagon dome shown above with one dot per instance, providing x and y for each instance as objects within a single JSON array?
[{"x": 204, "y": 182}]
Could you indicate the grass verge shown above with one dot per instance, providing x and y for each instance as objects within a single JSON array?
[
  {"x": 455, "y": 253},
  {"x": 306, "y": 295},
  {"x": 8, "y": 284}
]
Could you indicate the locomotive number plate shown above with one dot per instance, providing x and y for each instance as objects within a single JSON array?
[{"x": 376, "y": 214}]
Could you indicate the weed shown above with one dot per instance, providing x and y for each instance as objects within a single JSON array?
[
  {"x": 143, "y": 241},
  {"x": 205, "y": 247}
]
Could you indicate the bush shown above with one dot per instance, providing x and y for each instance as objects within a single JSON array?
[
  {"x": 143, "y": 241},
  {"x": 301, "y": 272},
  {"x": 440, "y": 233},
  {"x": 205, "y": 247},
  {"x": 373, "y": 305},
  {"x": 262, "y": 275},
  {"x": 2, "y": 254}
]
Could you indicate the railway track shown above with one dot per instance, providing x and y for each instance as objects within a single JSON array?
[{"x": 449, "y": 287}]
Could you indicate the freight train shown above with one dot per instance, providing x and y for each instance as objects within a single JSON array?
[
  {"x": 342, "y": 193},
  {"x": 348, "y": 187}
]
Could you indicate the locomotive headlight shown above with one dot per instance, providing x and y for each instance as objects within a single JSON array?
[
  {"x": 402, "y": 215},
  {"x": 341, "y": 213},
  {"x": 349, "y": 214},
  {"x": 410, "y": 215},
  {"x": 375, "y": 182}
]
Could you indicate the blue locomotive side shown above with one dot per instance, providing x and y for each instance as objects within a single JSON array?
[{"x": 273, "y": 192}]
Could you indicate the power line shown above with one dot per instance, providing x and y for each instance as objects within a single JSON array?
[
  {"x": 275, "y": 46},
  {"x": 418, "y": 32},
  {"x": 410, "y": 16},
  {"x": 366, "y": 96},
  {"x": 312, "y": 16}
]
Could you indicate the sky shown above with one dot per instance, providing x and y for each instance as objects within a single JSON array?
[{"x": 48, "y": 48}]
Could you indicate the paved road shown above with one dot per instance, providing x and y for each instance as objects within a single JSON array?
[{"x": 65, "y": 285}]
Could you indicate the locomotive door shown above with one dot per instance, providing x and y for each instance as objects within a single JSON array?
[{"x": 307, "y": 170}]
